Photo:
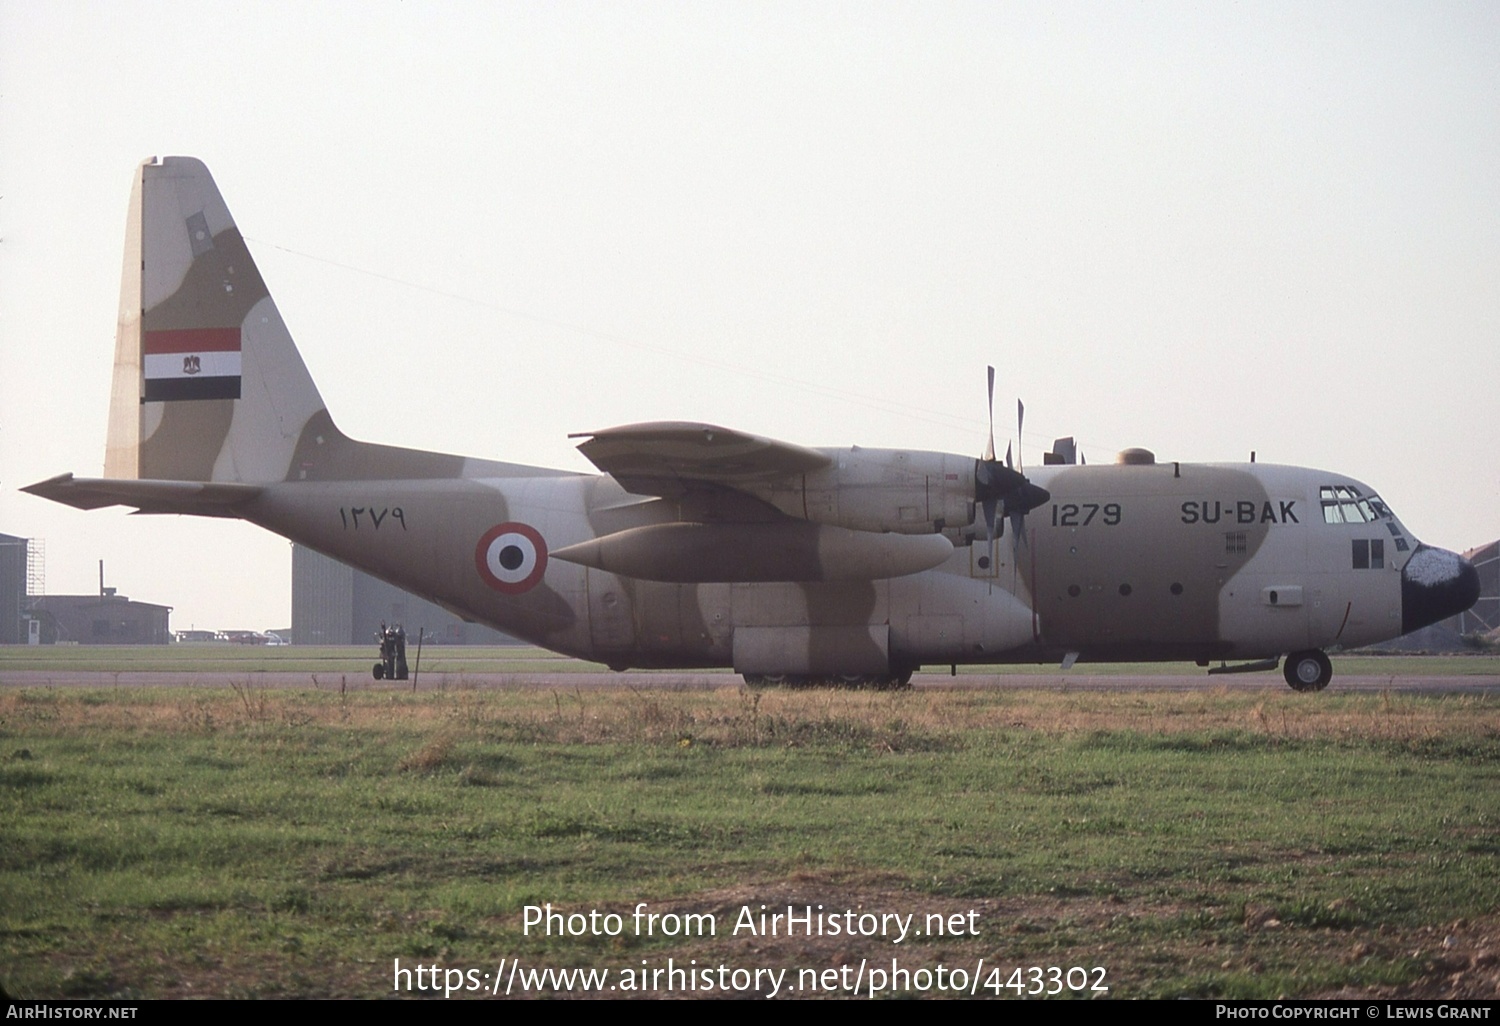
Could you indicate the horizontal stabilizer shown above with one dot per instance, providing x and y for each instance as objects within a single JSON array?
[{"x": 193, "y": 497}]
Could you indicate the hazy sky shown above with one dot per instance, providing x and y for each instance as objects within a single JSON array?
[{"x": 1203, "y": 228}]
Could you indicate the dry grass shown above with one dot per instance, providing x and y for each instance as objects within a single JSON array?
[{"x": 735, "y": 717}]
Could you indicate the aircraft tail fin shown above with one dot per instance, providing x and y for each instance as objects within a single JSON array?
[{"x": 208, "y": 385}]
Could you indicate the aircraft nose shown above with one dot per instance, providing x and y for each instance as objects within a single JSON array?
[{"x": 1435, "y": 584}]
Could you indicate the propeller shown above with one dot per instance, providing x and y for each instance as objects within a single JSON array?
[{"x": 999, "y": 488}]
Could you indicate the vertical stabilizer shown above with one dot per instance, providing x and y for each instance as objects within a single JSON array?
[{"x": 208, "y": 385}]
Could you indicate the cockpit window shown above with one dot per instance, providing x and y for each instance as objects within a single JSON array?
[{"x": 1343, "y": 504}]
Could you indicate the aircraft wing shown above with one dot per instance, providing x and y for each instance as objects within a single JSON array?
[
  {"x": 669, "y": 458},
  {"x": 194, "y": 497}
]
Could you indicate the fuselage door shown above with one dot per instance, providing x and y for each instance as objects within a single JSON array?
[{"x": 611, "y": 624}]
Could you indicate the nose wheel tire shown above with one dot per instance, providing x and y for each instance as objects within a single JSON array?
[{"x": 1308, "y": 671}]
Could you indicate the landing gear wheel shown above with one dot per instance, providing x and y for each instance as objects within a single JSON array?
[
  {"x": 1308, "y": 671},
  {"x": 379, "y": 671},
  {"x": 898, "y": 681},
  {"x": 768, "y": 680}
]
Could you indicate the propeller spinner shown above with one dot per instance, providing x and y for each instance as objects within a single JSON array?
[{"x": 998, "y": 488}]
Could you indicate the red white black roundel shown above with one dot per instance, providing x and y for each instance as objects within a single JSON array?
[{"x": 511, "y": 557}]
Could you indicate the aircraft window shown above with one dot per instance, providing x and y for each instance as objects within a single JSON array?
[
  {"x": 1401, "y": 545},
  {"x": 1124, "y": 589},
  {"x": 1343, "y": 504},
  {"x": 1377, "y": 554},
  {"x": 1390, "y": 525},
  {"x": 1176, "y": 589},
  {"x": 1361, "y": 554}
]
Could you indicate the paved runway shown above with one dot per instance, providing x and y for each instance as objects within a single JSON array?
[{"x": 694, "y": 681}]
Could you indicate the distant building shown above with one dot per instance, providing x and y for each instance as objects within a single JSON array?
[
  {"x": 1485, "y": 616},
  {"x": 13, "y": 565},
  {"x": 334, "y": 604},
  {"x": 107, "y": 619}
]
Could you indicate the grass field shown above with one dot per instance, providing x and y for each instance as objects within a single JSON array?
[{"x": 248, "y": 841}]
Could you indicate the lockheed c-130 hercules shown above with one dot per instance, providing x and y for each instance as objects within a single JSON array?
[{"x": 701, "y": 546}]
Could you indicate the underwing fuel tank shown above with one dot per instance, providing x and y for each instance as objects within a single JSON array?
[{"x": 686, "y": 553}]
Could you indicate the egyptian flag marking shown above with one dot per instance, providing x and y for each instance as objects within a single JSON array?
[{"x": 192, "y": 363}]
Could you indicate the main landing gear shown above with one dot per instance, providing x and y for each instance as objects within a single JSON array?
[
  {"x": 874, "y": 682},
  {"x": 1309, "y": 670}
]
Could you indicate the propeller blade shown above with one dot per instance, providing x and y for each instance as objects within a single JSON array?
[
  {"x": 1020, "y": 423},
  {"x": 1064, "y": 452},
  {"x": 989, "y": 449}
]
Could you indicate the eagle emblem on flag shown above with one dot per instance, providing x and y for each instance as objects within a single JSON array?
[{"x": 191, "y": 365}]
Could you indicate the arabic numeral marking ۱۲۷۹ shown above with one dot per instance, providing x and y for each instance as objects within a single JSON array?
[{"x": 372, "y": 517}]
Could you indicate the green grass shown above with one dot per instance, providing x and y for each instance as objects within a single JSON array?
[{"x": 258, "y": 842}]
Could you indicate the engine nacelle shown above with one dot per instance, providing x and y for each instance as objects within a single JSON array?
[{"x": 880, "y": 490}]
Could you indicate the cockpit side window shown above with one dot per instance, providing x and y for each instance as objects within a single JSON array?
[{"x": 1369, "y": 554}]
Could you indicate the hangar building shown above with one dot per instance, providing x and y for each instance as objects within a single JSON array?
[
  {"x": 106, "y": 619},
  {"x": 334, "y": 604}
]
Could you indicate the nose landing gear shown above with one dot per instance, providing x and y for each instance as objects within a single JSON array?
[{"x": 1309, "y": 670}]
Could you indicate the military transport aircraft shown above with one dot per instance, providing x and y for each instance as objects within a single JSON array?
[{"x": 703, "y": 546}]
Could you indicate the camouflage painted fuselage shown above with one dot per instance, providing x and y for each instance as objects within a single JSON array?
[{"x": 1126, "y": 563}]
